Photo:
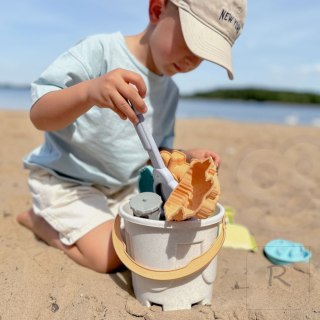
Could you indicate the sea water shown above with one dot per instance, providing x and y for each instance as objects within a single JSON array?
[
  {"x": 242, "y": 111},
  {"x": 251, "y": 111}
]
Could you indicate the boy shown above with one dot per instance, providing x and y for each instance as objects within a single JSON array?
[{"x": 90, "y": 159}]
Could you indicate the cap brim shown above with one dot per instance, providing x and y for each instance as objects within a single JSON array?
[{"x": 205, "y": 42}]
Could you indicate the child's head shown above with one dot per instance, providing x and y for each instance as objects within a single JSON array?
[{"x": 184, "y": 32}]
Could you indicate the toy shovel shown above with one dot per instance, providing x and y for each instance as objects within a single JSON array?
[{"x": 164, "y": 182}]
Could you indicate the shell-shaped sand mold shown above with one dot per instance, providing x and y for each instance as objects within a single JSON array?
[{"x": 198, "y": 190}]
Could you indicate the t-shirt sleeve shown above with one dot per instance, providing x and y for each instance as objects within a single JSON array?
[{"x": 81, "y": 62}]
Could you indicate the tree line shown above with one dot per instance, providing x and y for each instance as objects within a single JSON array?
[{"x": 260, "y": 95}]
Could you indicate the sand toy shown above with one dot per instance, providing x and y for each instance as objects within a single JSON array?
[
  {"x": 198, "y": 190},
  {"x": 173, "y": 263},
  {"x": 282, "y": 252},
  {"x": 164, "y": 183}
]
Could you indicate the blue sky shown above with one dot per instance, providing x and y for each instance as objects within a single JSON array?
[{"x": 279, "y": 46}]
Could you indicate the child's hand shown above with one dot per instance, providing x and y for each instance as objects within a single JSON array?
[
  {"x": 202, "y": 154},
  {"x": 113, "y": 89}
]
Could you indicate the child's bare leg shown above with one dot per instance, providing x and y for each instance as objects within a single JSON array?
[
  {"x": 94, "y": 250},
  {"x": 98, "y": 248},
  {"x": 40, "y": 228}
]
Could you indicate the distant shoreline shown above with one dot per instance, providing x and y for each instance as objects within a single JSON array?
[
  {"x": 10, "y": 86},
  {"x": 260, "y": 95}
]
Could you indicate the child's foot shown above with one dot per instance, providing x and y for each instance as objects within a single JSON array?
[
  {"x": 41, "y": 229},
  {"x": 27, "y": 219}
]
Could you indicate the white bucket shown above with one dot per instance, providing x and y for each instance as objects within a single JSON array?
[{"x": 173, "y": 264}]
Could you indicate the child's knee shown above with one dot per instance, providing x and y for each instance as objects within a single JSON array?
[
  {"x": 97, "y": 249},
  {"x": 104, "y": 264}
]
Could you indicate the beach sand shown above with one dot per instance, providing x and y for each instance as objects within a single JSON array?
[{"x": 269, "y": 174}]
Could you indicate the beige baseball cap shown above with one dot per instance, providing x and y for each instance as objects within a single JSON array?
[{"x": 210, "y": 28}]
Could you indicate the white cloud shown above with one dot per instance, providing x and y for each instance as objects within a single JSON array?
[{"x": 301, "y": 70}]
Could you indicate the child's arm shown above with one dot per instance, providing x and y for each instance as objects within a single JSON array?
[{"x": 57, "y": 109}]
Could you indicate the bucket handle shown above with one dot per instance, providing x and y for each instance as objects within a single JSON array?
[{"x": 193, "y": 266}]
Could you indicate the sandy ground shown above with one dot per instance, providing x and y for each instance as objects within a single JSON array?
[{"x": 270, "y": 175}]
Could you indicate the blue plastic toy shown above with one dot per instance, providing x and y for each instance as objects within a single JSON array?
[
  {"x": 146, "y": 179},
  {"x": 283, "y": 252}
]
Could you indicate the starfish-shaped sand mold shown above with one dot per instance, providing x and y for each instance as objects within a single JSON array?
[{"x": 198, "y": 190}]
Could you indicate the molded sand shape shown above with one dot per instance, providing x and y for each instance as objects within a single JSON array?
[{"x": 198, "y": 190}]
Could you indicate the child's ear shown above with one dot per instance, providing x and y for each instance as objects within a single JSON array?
[{"x": 156, "y": 7}]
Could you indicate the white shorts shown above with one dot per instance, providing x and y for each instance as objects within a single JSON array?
[{"x": 73, "y": 209}]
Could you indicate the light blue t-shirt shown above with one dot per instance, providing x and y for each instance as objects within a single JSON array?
[{"x": 99, "y": 147}]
